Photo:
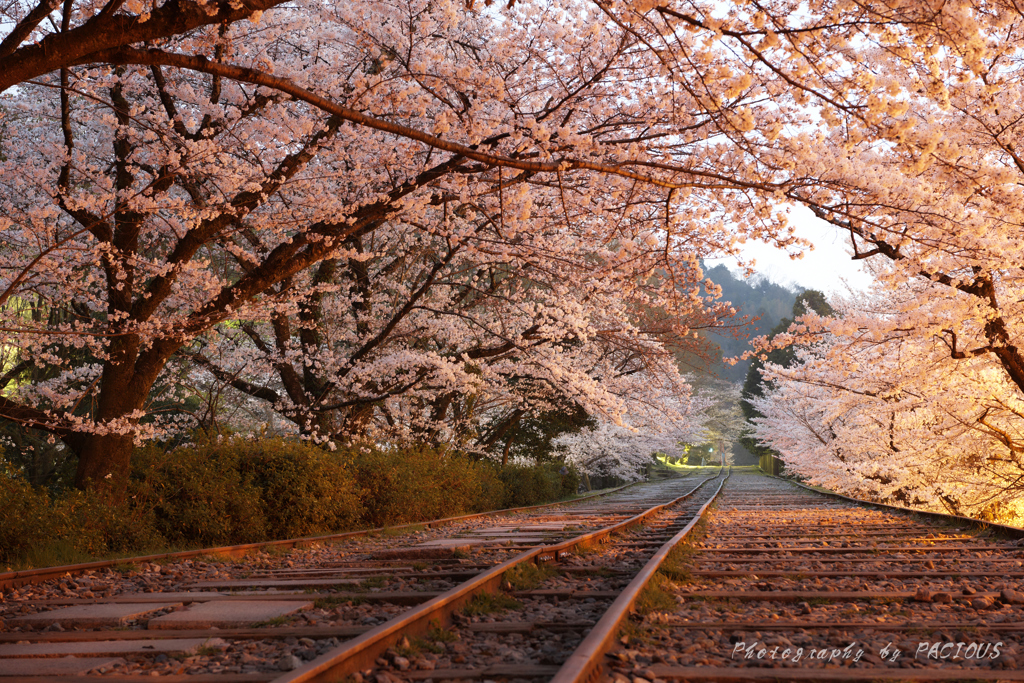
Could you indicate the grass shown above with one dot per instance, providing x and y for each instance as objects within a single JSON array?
[
  {"x": 529, "y": 575},
  {"x": 419, "y": 566},
  {"x": 599, "y": 572},
  {"x": 636, "y": 632},
  {"x": 586, "y": 548},
  {"x": 328, "y": 603},
  {"x": 373, "y": 582},
  {"x": 59, "y": 552},
  {"x": 439, "y": 634},
  {"x": 655, "y": 598},
  {"x": 206, "y": 650},
  {"x": 490, "y": 603},
  {"x": 676, "y": 565},
  {"x": 413, "y": 647},
  {"x": 276, "y": 621},
  {"x": 220, "y": 558},
  {"x": 676, "y": 573},
  {"x": 55, "y": 553}
]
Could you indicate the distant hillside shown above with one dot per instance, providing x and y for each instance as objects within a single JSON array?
[{"x": 754, "y": 298}]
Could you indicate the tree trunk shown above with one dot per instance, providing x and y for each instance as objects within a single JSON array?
[
  {"x": 104, "y": 460},
  {"x": 104, "y": 463},
  {"x": 508, "y": 447}
]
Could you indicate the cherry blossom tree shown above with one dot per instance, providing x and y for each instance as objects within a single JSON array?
[
  {"x": 890, "y": 415},
  {"x": 182, "y": 180},
  {"x": 155, "y": 205},
  {"x": 436, "y": 344},
  {"x": 910, "y": 142},
  {"x": 37, "y": 43},
  {"x": 624, "y": 450}
]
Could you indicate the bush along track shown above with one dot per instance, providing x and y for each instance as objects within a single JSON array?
[{"x": 237, "y": 491}]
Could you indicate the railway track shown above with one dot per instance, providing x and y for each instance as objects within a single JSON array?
[
  {"x": 791, "y": 585},
  {"x": 430, "y": 603},
  {"x": 781, "y": 584}
]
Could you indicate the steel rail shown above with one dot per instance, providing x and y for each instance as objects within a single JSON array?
[
  {"x": 585, "y": 663},
  {"x": 15, "y": 579},
  {"x": 362, "y": 652},
  {"x": 1012, "y": 531}
]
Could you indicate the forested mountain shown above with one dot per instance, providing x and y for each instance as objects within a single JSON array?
[{"x": 762, "y": 302}]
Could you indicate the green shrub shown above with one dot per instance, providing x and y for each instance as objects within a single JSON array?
[
  {"x": 537, "y": 484},
  {"x": 37, "y": 530},
  {"x": 25, "y": 516},
  {"x": 235, "y": 490},
  {"x": 304, "y": 490},
  {"x": 414, "y": 484},
  {"x": 93, "y": 526},
  {"x": 198, "y": 493}
]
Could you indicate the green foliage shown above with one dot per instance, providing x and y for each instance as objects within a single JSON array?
[
  {"x": 398, "y": 487},
  {"x": 304, "y": 490},
  {"x": 702, "y": 454},
  {"x": 235, "y": 490},
  {"x": 655, "y": 597},
  {"x": 677, "y": 564},
  {"x": 524, "y": 485},
  {"x": 208, "y": 650},
  {"x": 231, "y": 490},
  {"x": 25, "y": 517},
  {"x": 40, "y": 459},
  {"x": 38, "y": 529},
  {"x": 490, "y": 603},
  {"x": 531, "y": 438},
  {"x": 414, "y": 647},
  {"x": 644, "y": 633},
  {"x": 199, "y": 493},
  {"x": 439, "y": 634},
  {"x": 529, "y": 575},
  {"x": 757, "y": 298}
]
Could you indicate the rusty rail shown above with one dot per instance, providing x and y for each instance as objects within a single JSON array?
[
  {"x": 363, "y": 651},
  {"x": 585, "y": 664}
]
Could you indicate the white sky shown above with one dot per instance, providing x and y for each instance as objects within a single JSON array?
[{"x": 824, "y": 268}]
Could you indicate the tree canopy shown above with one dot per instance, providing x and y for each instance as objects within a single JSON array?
[{"x": 397, "y": 219}]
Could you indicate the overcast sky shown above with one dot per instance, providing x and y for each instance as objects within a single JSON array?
[{"x": 824, "y": 268}]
